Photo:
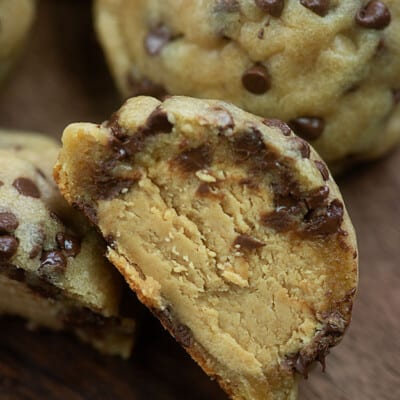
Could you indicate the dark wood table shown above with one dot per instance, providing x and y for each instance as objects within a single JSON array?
[{"x": 61, "y": 78}]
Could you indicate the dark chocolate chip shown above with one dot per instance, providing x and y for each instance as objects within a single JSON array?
[
  {"x": 181, "y": 333},
  {"x": 256, "y": 79},
  {"x": 396, "y": 96},
  {"x": 272, "y": 7},
  {"x": 246, "y": 242},
  {"x": 281, "y": 220},
  {"x": 108, "y": 187},
  {"x": 228, "y": 6},
  {"x": 8, "y": 247},
  {"x": 248, "y": 144},
  {"x": 145, "y": 87},
  {"x": 8, "y": 222},
  {"x": 70, "y": 244},
  {"x": 38, "y": 239},
  {"x": 203, "y": 190},
  {"x": 53, "y": 260},
  {"x": 276, "y": 123},
  {"x": 309, "y": 128},
  {"x": 157, "y": 122},
  {"x": 156, "y": 39},
  {"x": 88, "y": 210},
  {"x": 115, "y": 127},
  {"x": 325, "y": 221},
  {"x": 260, "y": 33},
  {"x": 26, "y": 187},
  {"x": 195, "y": 159},
  {"x": 302, "y": 146},
  {"x": 322, "y": 168},
  {"x": 317, "y": 198},
  {"x": 319, "y": 7},
  {"x": 374, "y": 15}
]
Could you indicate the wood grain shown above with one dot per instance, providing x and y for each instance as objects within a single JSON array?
[{"x": 62, "y": 78}]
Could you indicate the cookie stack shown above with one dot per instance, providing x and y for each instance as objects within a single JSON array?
[{"x": 224, "y": 221}]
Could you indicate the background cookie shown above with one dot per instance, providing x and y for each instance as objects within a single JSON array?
[
  {"x": 228, "y": 227},
  {"x": 16, "y": 17},
  {"x": 52, "y": 268},
  {"x": 330, "y": 68}
]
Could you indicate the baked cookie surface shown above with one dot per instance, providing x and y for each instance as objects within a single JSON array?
[
  {"x": 329, "y": 68},
  {"x": 52, "y": 266},
  {"x": 16, "y": 17},
  {"x": 228, "y": 227}
]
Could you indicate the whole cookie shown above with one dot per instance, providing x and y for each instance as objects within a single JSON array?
[
  {"x": 228, "y": 227},
  {"x": 16, "y": 17},
  {"x": 329, "y": 68},
  {"x": 52, "y": 268}
]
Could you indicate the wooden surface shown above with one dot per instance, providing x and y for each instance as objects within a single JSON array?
[{"x": 62, "y": 78}]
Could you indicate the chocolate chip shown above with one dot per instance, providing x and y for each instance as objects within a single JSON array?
[
  {"x": 181, "y": 333},
  {"x": 248, "y": 144},
  {"x": 374, "y": 15},
  {"x": 317, "y": 198},
  {"x": 70, "y": 244},
  {"x": 309, "y": 128},
  {"x": 53, "y": 260},
  {"x": 319, "y": 7},
  {"x": 276, "y": 123},
  {"x": 114, "y": 126},
  {"x": 396, "y": 96},
  {"x": 247, "y": 242},
  {"x": 26, "y": 187},
  {"x": 228, "y": 6},
  {"x": 108, "y": 187},
  {"x": 203, "y": 190},
  {"x": 8, "y": 222},
  {"x": 281, "y": 220},
  {"x": 157, "y": 122},
  {"x": 156, "y": 39},
  {"x": 272, "y": 7},
  {"x": 194, "y": 159},
  {"x": 145, "y": 87},
  {"x": 260, "y": 33},
  {"x": 325, "y": 221},
  {"x": 301, "y": 146},
  {"x": 8, "y": 247},
  {"x": 322, "y": 169},
  {"x": 256, "y": 79}
]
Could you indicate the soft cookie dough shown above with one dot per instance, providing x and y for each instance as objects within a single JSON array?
[
  {"x": 228, "y": 227},
  {"x": 52, "y": 266},
  {"x": 330, "y": 68},
  {"x": 16, "y": 17}
]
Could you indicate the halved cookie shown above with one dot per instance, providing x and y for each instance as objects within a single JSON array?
[{"x": 228, "y": 227}]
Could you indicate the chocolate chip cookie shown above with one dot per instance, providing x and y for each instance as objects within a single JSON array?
[
  {"x": 16, "y": 17},
  {"x": 228, "y": 227},
  {"x": 329, "y": 68},
  {"x": 52, "y": 266}
]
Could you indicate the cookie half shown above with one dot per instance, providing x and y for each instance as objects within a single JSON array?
[
  {"x": 328, "y": 68},
  {"x": 52, "y": 266},
  {"x": 228, "y": 227}
]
